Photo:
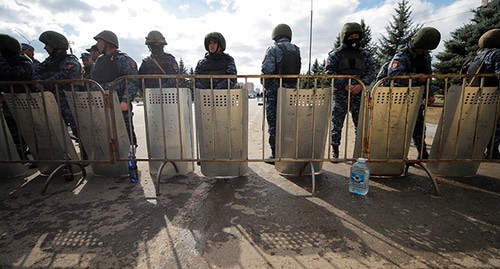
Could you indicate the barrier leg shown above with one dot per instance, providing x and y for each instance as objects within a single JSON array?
[
  {"x": 82, "y": 168},
  {"x": 431, "y": 177},
  {"x": 313, "y": 175},
  {"x": 158, "y": 175}
]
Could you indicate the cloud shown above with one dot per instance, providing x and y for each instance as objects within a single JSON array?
[{"x": 246, "y": 25}]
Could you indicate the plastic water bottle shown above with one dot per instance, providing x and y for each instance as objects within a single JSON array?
[
  {"x": 132, "y": 167},
  {"x": 68, "y": 174},
  {"x": 360, "y": 177}
]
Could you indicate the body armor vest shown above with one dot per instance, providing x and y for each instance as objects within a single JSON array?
[
  {"x": 352, "y": 62},
  {"x": 215, "y": 64},
  {"x": 106, "y": 69},
  {"x": 53, "y": 66},
  {"x": 289, "y": 65},
  {"x": 476, "y": 67}
]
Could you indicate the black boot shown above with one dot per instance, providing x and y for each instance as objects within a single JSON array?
[{"x": 424, "y": 155}]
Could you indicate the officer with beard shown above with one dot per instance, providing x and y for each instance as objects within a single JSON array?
[
  {"x": 58, "y": 66},
  {"x": 111, "y": 65},
  {"x": 215, "y": 62},
  {"x": 158, "y": 62},
  {"x": 348, "y": 59},
  {"x": 414, "y": 58}
]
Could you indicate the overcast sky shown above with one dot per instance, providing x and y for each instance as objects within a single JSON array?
[{"x": 246, "y": 24}]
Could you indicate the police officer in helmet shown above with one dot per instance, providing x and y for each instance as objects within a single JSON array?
[
  {"x": 113, "y": 64},
  {"x": 348, "y": 59},
  {"x": 215, "y": 62},
  {"x": 414, "y": 58},
  {"x": 282, "y": 57},
  {"x": 159, "y": 62}
]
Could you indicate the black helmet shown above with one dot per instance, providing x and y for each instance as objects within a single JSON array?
[
  {"x": 282, "y": 30},
  {"x": 108, "y": 36},
  {"x": 218, "y": 37},
  {"x": 426, "y": 38},
  {"x": 54, "y": 39},
  {"x": 85, "y": 55},
  {"x": 94, "y": 47},
  {"x": 155, "y": 37},
  {"x": 9, "y": 43},
  {"x": 351, "y": 28},
  {"x": 490, "y": 39},
  {"x": 25, "y": 46}
]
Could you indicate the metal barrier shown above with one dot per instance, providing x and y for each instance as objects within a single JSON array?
[
  {"x": 386, "y": 122},
  {"x": 301, "y": 132},
  {"x": 464, "y": 130},
  {"x": 222, "y": 131},
  {"x": 169, "y": 130},
  {"x": 9, "y": 152}
]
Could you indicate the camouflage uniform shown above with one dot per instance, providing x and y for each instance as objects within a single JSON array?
[
  {"x": 60, "y": 66},
  {"x": 408, "y": 62},
  {"x": 489, "y": 57},
  {"x": 106, "y": 70},
  {"x": 13, "y": 67},
  {"x": 168, "y": 64},
  {"x": 218, "y": 63},
  {"x": 348, "y": 60},
  {"x": 282, "y": 57}
]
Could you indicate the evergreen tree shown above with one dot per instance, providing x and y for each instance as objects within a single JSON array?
[
  {"x": 399, "y": 32},
  {"x": 463, "y": 43},
  {"x": 184, "y": 83}
]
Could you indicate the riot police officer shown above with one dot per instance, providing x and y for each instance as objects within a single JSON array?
[
  {"x": 282, "y": 57},
  {"x": 158, "y": 62},
  {"x": 59, "y": 66},
  {"x": 411, "y": 59},
  {"x": 348, "y": 59},
  {"x": 113, "y": 64},
  {"x": 13, "y": 67},
  {"x": 487, "y": 61},
  {"x": 215, "y": 62}
]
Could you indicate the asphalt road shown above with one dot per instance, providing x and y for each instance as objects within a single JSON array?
[{"x": 260, "y": 220}]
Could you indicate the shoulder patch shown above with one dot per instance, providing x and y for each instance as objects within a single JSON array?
[{"x": 394, "y": 64}]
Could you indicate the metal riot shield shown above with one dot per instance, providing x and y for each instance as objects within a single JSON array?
[
  {"x": 8, "y": 152},
  {"x": 389, "y": 127},
  {"x": 464, "y": 130},
  {"x": 222, "y": 131},
  {"x": 97, "y": 135},
  {"x": 301, "y": 128},
  {"x": 39, "y": 120},
  {"x": 169, "y": 128}
]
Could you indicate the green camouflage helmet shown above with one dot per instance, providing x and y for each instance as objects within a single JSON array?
[
  {"x": 218, "y": 37},
  {"x": 351, "y": 28},
  {"x": 426, "y": 38},
  {"x": 155, "y": 37},
  {"x": 490, "y": 39},
  {"x": 282, "y": 30},
  {"x": 54, "y": 39},
  {"x": 108, "y": 36},
  {"x": 9, "y": 43}
]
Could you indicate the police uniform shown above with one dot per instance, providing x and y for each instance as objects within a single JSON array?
[
  {"x": 282, "y": 57},
  {"x": 151, "y": 66},
  {"x": 218, "y": 63},
  {"x": 60, "y": 66},
  {"x": 13, "y": 67},
  {"x": 348, "y": 60},
  {"x": 106, "y": 70}
]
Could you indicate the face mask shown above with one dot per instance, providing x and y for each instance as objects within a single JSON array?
[{"x": 353, "y": 43}]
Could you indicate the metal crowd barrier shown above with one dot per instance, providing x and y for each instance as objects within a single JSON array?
[{"x": 386, "y": 123}]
